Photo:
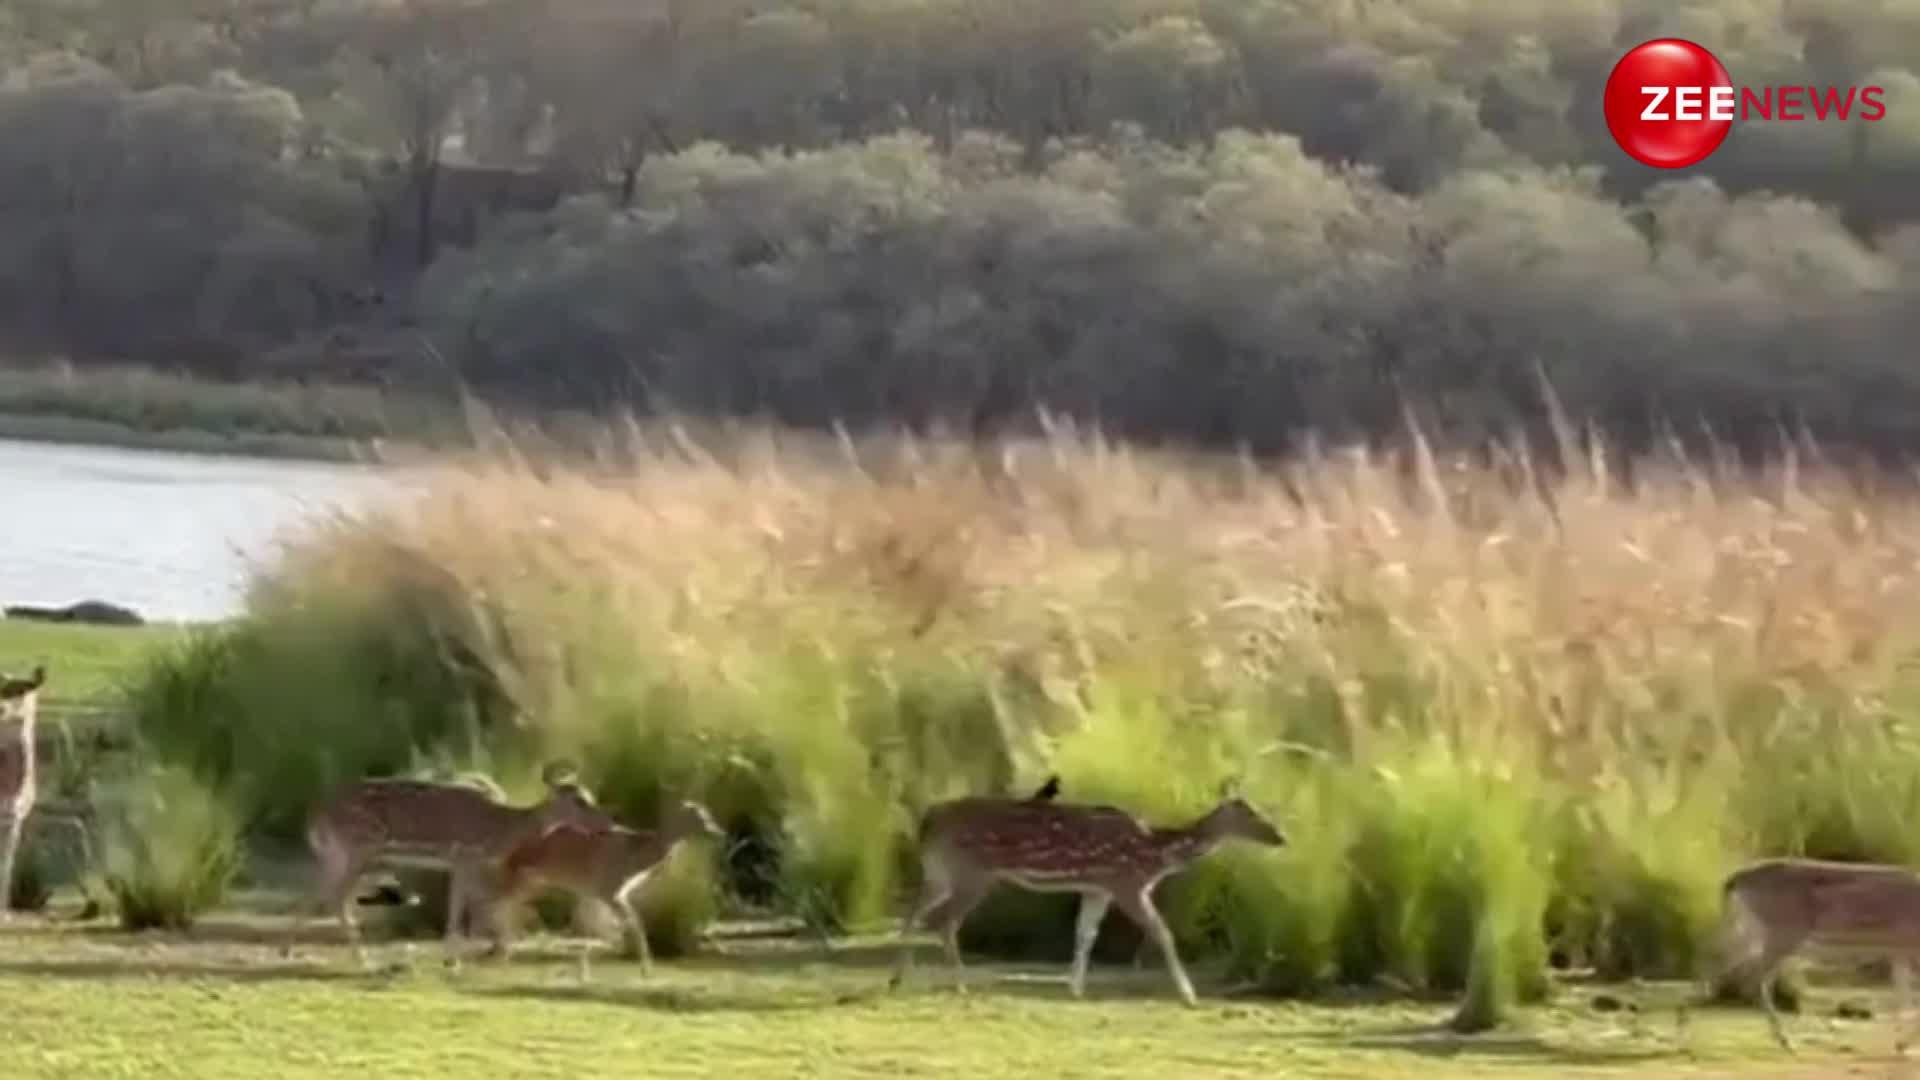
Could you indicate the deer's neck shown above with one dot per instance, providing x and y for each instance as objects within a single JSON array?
[
  {"x": 17, "y": 764},
  {"x": 21, "y": 732},
  {"x": 666, "y": 840},
  {"x": 526, "y": 823},
  {"x": 1183, "y": 844},
  {"x": 660, "y": 848}
]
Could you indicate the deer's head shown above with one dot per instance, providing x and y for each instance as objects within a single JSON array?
[
  {"x": 20, "y": 697},
  {"x": 568, "y": 801},
  {"x": 1234, "y": 816}
]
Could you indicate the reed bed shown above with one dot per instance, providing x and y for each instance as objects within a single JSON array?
[{"x": 1510, "y": 717}]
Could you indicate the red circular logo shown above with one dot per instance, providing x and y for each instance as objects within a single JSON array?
[{"x": 1669, "y": 103}]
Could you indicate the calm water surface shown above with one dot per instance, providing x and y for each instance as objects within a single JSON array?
[{"x": 171, "y": 535}]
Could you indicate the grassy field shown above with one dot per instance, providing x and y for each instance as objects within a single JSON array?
[
  {"x": 87, "y": 665},
  {"x": 88, "y": 1001}
]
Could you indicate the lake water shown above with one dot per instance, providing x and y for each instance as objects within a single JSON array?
[{"x": 172, "y": 536}]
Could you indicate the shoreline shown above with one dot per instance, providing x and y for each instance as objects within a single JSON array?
[
  {"x": 59, "y": 430},
  {"x": 135, "y": 408}
]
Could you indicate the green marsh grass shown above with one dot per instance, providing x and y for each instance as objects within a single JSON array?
[
  {"x": 170, "y": 848},
  {"x": 1503, "y": 714}
]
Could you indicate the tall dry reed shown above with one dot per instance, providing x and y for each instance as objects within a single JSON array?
[{"x": 1504, "y": 714}]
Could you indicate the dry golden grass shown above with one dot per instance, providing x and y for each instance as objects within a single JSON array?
[{"x": 1498, "y": 709}]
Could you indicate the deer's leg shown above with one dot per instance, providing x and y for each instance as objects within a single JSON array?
[
  {"x": 1765, "y": 960},
  {"x": 12, "y": 824},
  {"x": 965, "y": 892},
  {"x": 498, "y": 913},
  {"x": 963, "y": 896},
  {"x": 1768, "y": 966},
  {"x": 934, "y": 891},
  {"x": 459, "y": 886},
  {"x": 1907, "y": 1024},
  {"x": 337, "y": 873},
  {"x": 342, "y": 903},
  {"x": 1086, "y": 929},
  {"x": 1138, "y": 905},
  {"x": 1745, "y": 953},
  {"x": 501, "y": 909},
  {"x": 635, "y": 929}
]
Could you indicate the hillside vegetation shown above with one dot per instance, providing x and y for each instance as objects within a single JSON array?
[{"x": 1213, "y": 220}]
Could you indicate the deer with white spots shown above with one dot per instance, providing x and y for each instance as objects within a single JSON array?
[
  {"x": 19, "y": 710},
  {"x": 609, "y": 864},
  {"x": 1775, "y": 908},
  {"x": 1108, "y": 856},
  {"x": 419, "y": 823}
]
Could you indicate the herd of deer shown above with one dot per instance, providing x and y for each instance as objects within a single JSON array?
[{"x": 1773, "y": 908}]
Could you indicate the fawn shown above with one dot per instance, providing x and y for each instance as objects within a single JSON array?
[{"x": 606, "y": 863}]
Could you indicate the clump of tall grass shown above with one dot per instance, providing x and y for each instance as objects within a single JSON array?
[
  {"x": 1503, "y": 713},
  {"x": 56, "y": 850},
  {"x": 170, "y": 848},
  {"x": 32, "y": 884}
]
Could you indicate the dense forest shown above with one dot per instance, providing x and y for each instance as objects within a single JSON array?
[{"x": 1215, "y": 220}]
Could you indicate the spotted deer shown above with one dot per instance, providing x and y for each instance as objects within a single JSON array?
[
  {"x": 1776, "y": 908},
  {"x": 609, "y": 864},
  {"x": 19, "y": 709},
  {"x": 1108, "y": 856},
  {"x": 417, "y": 823}
]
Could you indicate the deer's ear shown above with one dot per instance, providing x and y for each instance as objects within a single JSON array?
[
  {"x": 557, "y": 773},
  {"x": 1229, "y": 787},
  {"x": 39, "y": 678}
]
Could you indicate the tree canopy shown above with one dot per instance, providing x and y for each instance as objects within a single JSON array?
[{"x": 1217, "y": 220}]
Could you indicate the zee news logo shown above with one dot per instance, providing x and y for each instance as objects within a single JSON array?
[{"x": 1671, "y": 103}]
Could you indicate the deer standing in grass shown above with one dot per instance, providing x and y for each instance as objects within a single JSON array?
[
  {"x": 19, "y": 709},
  {"x": 1778, "y": 907},
  {"x": 609, "y": 864},
  {"x": 1108, "y": 856},
  {"x": 435, "y": 825}
]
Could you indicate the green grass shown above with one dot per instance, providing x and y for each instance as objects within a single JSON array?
[
  {"x": 88, "y": 1001},
  {"x": 86, "y": 665}
]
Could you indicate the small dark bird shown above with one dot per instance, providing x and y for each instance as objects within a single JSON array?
[{"x": 1047, "y": 790}]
